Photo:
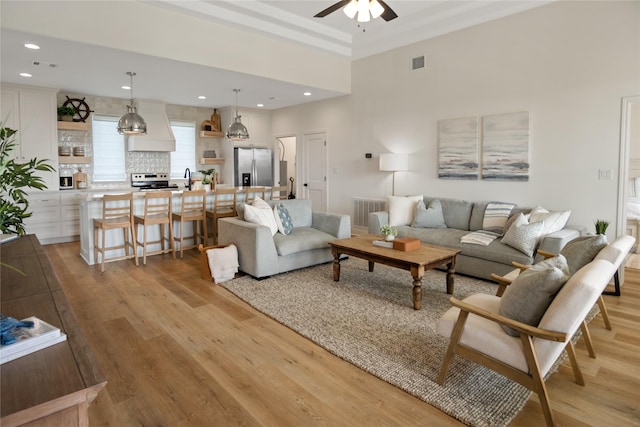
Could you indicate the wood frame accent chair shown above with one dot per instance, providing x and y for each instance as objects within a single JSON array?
[
  {"x": 224, "y": 205},
  {"x": 192, "y": 208},
  {"x": 157, "y": 211},
  {"x": 474, "y": 328},
  {"x": 117, "y": 212}
]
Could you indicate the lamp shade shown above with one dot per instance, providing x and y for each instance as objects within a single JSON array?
[{"x": 394, "y": 162}]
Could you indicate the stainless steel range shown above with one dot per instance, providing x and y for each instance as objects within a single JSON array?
[{"x": 151, "y": 181}]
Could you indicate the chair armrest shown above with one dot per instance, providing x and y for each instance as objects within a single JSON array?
[
  {"x": 257, "y": 253},
  {"x": 377, "y": 220},
  {"x": 545, "y": 254},
  {"x": 523, "y": 328},
  {"x": 502, "y": 282},
  {"x": 337, "y": 225},
  {"x": 522, "y": 267}
]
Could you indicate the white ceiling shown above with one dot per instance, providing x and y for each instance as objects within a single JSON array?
[{"x": 89, "y": 69}]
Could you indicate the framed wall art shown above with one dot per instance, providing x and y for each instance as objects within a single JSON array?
[
  {"x": 458, "y": 148},
  {"x": 505, "y": 147}
]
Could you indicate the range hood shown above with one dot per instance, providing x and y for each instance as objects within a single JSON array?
[{"x": 159, "y": 135}]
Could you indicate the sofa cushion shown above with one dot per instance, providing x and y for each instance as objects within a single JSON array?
[
  {"x": 531, "y": 293},
  {"x": 581, "y": 251},
  {"x": 301, "y": 239},
  {"x": 261, "y": 216},
  {"x": 523, "y": 235},
  {"x": 553, "y": 221},
  {"x": 457, "y": 213},
  {"x": 283, "y": 219},
  {"x": 401, "y": 209},
  {"x": 428, "y": 217},
  {"x": 299, "y": 211}
]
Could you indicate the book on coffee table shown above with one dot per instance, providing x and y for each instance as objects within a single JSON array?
[
  {"x": 383, "y": 244},
  {"x": 28, "y": 340}
]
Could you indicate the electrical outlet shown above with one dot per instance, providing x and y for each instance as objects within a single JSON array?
[{"x": 604, "y": 174}]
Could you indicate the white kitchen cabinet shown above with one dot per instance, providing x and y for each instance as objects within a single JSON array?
[
  {"x": 45, "y": 219},
  {"x": 32, "y": 111},
  {"x": 70, "y": 215}
]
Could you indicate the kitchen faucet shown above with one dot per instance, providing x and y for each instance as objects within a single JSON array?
[{"x": 187, "y": 173}]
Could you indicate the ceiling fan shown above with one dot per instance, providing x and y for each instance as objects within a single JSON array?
[{"x": 363, "y": 8}]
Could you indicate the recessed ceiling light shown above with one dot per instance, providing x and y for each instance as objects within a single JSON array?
[
  {"x": 260, "y": 105},
  {"x": 126, "y": 87},
  {"x": 202, "y": 97},
  {"x": 31, "y": 46},
  {"x": 307, "y": 94},
  {"x": 25, "y": 75}
]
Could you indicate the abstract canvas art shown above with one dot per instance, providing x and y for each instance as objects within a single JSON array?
[
  {"x": 505, "y": 147},
  {"x": 458, "y": 148}
]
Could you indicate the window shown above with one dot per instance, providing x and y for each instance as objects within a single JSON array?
[
  {"x": 108, "y": 150},
  {"x": 185, "y": 155}
]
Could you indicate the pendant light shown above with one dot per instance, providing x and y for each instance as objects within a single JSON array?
[
  {"x": 237, "y": 131},
  {"x": 131, "y": 123}
]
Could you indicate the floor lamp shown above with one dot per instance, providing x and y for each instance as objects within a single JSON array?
[{"x": 394, "y": 162}]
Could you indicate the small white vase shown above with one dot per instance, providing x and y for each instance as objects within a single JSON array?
[{"x": 389, "y": 237}]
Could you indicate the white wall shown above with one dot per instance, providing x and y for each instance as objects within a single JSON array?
[{"x": 567, "y": 63}]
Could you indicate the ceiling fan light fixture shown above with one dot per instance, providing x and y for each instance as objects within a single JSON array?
[
  {"x": 363, "y": 10},
  {"x": 376, "y": 9},
  {"x": 131, "y": 123},
  {"x": 237, "y": 131},
  {"x": 351, "y": 9}
]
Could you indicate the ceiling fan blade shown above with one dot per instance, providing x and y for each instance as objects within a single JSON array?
[
  {"x": 331, "y": 9},
  {"x": 388, "y": 13}
]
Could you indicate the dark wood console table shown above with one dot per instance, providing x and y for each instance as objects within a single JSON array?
[{"x": 53, "y": 386}]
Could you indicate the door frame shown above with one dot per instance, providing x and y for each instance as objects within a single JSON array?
[{"x": 623, "y": 169}]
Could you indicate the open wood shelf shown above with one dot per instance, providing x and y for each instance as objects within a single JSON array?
[
  {"x": 74, "y": 126},
  {"x": 211, "y": 161},
  {"x": 211, "y": 134},
  {"x": 66, "y": 160}
]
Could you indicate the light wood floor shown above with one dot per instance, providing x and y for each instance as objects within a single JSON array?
[{"x": 180, "y": 351}]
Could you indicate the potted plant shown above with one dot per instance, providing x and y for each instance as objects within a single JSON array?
[
  {"x": 207, "y": 179},
  {"x": 388, "y": 232},
  {"x": 14, "y": 179},
  {"x": 601, "y": 226},
  {"x": 66, "y": 113}
]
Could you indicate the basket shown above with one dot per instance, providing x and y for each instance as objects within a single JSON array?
[{"x": 205, "y": 271}]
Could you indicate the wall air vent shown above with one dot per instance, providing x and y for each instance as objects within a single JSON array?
[
  {"x": 418, "y": 62},
  {"x": 46, "y": 64}
]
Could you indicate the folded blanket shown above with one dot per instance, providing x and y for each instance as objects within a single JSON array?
[
  {"x": 479, "y": 237},
  {"x": 223, "y": 263}
]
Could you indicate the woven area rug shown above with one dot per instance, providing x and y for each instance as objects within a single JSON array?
[{"x": 368, "y": 320}]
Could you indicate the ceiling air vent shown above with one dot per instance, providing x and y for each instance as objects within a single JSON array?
[{"x": 418, "y": 62}]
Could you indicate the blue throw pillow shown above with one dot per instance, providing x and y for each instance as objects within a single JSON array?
[{"x": 283, "y": 219}]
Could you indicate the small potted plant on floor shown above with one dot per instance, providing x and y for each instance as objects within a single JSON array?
[
  {"x": 66, "y": 113},
  {"x": 388, "y": 232}
]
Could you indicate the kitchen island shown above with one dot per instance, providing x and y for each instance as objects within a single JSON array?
[{"x": 91, "y": 207}]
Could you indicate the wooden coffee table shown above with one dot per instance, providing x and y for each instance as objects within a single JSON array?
[{"x": 417, "y": 261}]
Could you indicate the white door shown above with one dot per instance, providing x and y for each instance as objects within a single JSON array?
[{"x": 314, "y": 173}]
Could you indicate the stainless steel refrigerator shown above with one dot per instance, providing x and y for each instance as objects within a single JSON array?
[{"x": 253, "y": 166}]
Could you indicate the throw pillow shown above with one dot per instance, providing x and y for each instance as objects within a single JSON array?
[
  {"x": 283, "y": 219},
  {"x": 528, "y": 297},
  {"x": 259, "y": 203},
  {"x": 523, "y": 236},
  {"x": 553, "y": 221},
  {"x": 261, "y": 216},
  {"x": 496, "y": 215},
  {"x": 430, "y": 217},
  {"x": 581, "y": 250},
  {"x": 401, "y": 209}
]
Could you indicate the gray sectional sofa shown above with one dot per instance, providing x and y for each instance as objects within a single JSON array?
[
  {"x": 462, "y": 217},
  {"x": 261, "y": 254}
]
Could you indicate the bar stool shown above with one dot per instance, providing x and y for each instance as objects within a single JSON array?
[
  {"x": 157, "y": 211},
  {"x": 193, "y": 209},
  {"x": 279, "y": 193},
  {"x": 252, "y": 192},
  {"x": 117, "y": 212},
  {"x": 224, "y": 205}
]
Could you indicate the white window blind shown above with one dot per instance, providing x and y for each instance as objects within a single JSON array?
[
  {"x": 108, "y": 150},
  {"x": 185, "y": 155}
]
